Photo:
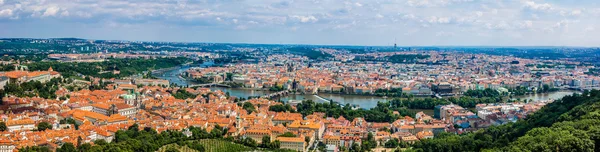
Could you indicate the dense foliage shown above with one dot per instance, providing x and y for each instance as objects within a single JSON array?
[
  {"x": 249, "y": 107},
  {"x": 309, "y": 53},
  {"x": 7, "y": 67},
  {"x": 33, "y": 88},
  {"x": 148, "y": 140},
  {"x": 488, "y": 92},
  {"x": 3, "y": 126},
  {"x": 182, "y": 94},
  {"x": 383, "y": 112},
  {"x": 70, "y": 121},
  {"x": 392, "y": 92},
  {"x": 43, "y": 126},
  {"x": 281, "y": 108},
  {"x": 570, "y": 124},
  {"x": 519, "y": 90},
  {"x": 430, "y": 103},
  {"x": 127, "y": 67},
  {"x": 276, "y": 88}
]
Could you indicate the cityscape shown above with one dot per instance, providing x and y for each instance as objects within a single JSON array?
[{"x": 130, "y": 87}]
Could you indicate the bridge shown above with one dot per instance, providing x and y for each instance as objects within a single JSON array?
[
  {"x": 276, "y": 94},
  {"x": 210, "y": 85},
  {"x": 273, "y": 95}
]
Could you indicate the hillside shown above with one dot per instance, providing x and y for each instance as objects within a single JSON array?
[{"x": 570, "y": 124}]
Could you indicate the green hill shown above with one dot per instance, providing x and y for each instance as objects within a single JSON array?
[{"x": 569, "y": 124}]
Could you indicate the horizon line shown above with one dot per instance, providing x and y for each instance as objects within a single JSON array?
[{"x": 307, "y": 44}]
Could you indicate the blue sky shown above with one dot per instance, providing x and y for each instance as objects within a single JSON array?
[{"x": 347, "y": 22}]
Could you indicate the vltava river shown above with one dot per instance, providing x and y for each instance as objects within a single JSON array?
[{"x": 362, "y": 101}]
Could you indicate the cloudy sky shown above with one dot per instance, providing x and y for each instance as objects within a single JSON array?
[{"x": 348, "y": 22}]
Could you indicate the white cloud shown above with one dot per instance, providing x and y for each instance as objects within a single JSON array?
[
  {"x": 51, "y": 11},
  {"x": 439, "y": 20},
  {"x": 479, "y": 13},
  {"x": 1, "y": 2},
  {"x": 525, "y": 24},
  {"x": 498, "y": 26},
  {"x": 358, "y": 4},
  {"x": 6, "y": 13},
  {"x": 305, "y": 19},
  {"x": 65, "y": 13},
  {"x": 409, "y": 17},
  {"x": 479, "y": 17},
  {"x": 531, "y": 5},
  {"x": 576, "y": 12},
  {"x": 561, "y": 24},
  {"x": 528, "y": 24}
]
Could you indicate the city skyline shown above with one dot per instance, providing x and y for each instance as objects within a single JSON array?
[{"x": 334, "y": 22}]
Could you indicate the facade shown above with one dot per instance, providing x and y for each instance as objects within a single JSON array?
[
  {"x": 293, "y": 143},
  {"x": 152, "y": 82},
  {"x": 257, "y": 135},
  {"x": 20, "y": 125},
  {"x": 6, "y": 146},
  {"x": 20, "y": 76}
]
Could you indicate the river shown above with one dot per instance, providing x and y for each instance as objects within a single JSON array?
[
  {"x": 547, "y": 96},
  {"x": 358, "y": 100}
]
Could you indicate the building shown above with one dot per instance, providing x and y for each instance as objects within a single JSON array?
[
  {"x": 293, "y": 143},
  {"x": 332, "y": 140},
  {"x": 6, "y": 145},
  {"x": 118, "y": 108},
  {"x": 286, "y": 118},
  {"x": 20, "y": 76},
  {"x": 152, "y": 82},
  {"x": 258, "y": 134},
  {"x": 18, "y": 125},
  {"x": 444, "y": 88},
  {"x": 317, "y": 127}
]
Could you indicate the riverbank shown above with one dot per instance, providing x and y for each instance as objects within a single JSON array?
[
  {"x": 163, "y": 70},
  {"x": 363, "y": 101}
]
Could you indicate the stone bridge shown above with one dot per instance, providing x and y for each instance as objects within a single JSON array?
[{"x": 210, "y": 85}]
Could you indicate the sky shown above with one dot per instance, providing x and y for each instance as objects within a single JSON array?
[{"x": 330, "y": 22}]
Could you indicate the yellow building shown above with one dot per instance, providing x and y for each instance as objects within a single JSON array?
[
  {"x": 257, "y": 135},
  {"x": 293, "y": 143}
]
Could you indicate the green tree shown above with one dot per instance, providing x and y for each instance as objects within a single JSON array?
[
  {"x": 67, "y": 147},
  {"x": 43, "y": 126},
  {"x": 275, "y": 144},
  {"x": 3, "y": 126},
  {"x": 35, "y": 149},
  {"x": 100, "y": 142},
  {"x": 265, "y": 142},
  {"x": 249, "y": 107},
  {"x": 355, "y": 147},
  {"x": 84, "y": 147},
  {"x": 171, "y": 149},
  {"x": 393, "y": 143},
  {"x": 287, "y": 134},
  {"x": 196, "y": 145}
]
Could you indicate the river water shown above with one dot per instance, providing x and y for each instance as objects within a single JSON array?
[
  {"x": 547, "y": 96},
  {"x": 357, "y": 100}
]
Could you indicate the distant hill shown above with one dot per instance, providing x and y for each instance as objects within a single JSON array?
[{"x": 69, "y": 39}]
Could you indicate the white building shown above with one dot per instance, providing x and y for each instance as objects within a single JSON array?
[{"x": 17, "y": 125}]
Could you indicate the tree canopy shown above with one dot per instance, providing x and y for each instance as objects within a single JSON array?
[{"x": 569, "y": 124}]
